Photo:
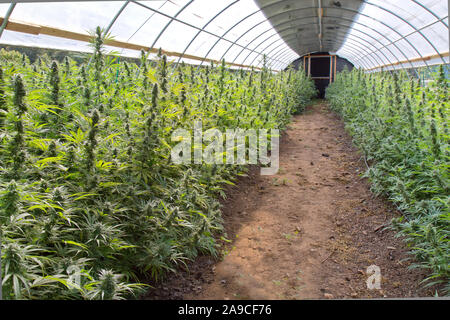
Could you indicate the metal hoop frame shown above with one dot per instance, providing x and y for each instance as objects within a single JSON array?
[{"x": 284, "y": 56}]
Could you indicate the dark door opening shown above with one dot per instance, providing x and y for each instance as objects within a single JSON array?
[
  {"x": 321, "y": 68},
  {"x": 320, "y": 72}
]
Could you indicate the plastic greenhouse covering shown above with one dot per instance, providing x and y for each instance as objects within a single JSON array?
[{"x": 372, "y": 34}]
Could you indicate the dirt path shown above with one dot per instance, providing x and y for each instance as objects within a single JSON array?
[{"x": 310, "y": 231}]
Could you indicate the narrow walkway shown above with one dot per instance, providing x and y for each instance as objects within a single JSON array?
[{"x": 310, "y": 231}]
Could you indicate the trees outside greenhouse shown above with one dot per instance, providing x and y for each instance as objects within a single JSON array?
[{"x": 235, "y": 149}]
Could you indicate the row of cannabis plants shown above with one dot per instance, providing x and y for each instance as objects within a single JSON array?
[
  {"x": 402, "y": 129},
  {"x": 90, "y": 201}
]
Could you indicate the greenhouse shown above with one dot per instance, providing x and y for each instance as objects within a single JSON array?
[{"x": 229, "y": 149}]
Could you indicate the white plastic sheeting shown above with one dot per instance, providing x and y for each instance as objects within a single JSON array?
[
  {"x": 401, "y": 31},
  {"x": 204, "y": 28},
  {"x": 371, "y": 34}
]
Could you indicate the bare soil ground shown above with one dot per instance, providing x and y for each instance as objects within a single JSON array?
[{"x": 309, "y": 232}]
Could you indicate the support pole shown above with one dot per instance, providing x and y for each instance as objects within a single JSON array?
[
  {"x": 331, "y": 69},
  {"x": 335, "y": 64},
  {"x": 309, "y": 65},
  {"x": 5, "y": 22}
]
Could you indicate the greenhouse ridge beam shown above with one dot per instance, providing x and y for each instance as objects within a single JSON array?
[
  {"x": 344, "y": 25},
  {"x": 354, "y": 28},
  {"x": 341, "y": 8},
  {"x": 283, "y": 8},
  {"x": 261, "y": 9},
  {"x": 328, "y": 40},
  {"x": 60, "y": 33},
  {"x": 351, "y": 37},
  {"x": 358, "y": 46},
  {"x": 276, "y": 26},
  {"x": 388, "y": 31},
  {"x": 355, "y": 45},
  {"x": 277, "y": 11}
]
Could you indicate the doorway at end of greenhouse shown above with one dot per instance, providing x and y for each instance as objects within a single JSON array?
[{"x": 322, "y": 68}]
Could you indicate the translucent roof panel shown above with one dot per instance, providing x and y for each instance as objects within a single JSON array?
[
  {"x": 371, "y": 34},
  {"x": 409, "y": 33},
  {"x": 227, "y": 29}
]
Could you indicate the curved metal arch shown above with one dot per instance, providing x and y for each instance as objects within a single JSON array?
[
  {"x": 248, "y": 44},
  {"x": 357, "y": 29},
  {"x": 269, "y": 53},
  {"x": 206, "y": 24},
  {"x": 277, "y": 33},
  {"x": 242, "y": 35},
  {"x": 346, "y": 50},
  {"x": 387, "y": 59},
  {"x": 430, "y": 11},
  {"x": 391, "y": 41},
  {"x": 364, "y": 65},
  {"x": 362, "y": 39},
  {"x": 409, "y": 24},
  {"x": 357, "y": 50},
  {"x": 347, "y": 9},
  {"x": 284, "y": 53},
  {"x": 235, "y": 25},
  {"x": 170, "y": 22},
  {"x": 374, "y": 60},
  {"x": 344, "y": 19},
  {"x": 363, "y": 46},
  {"x": 275, "y": 41},
  {"x": 147, "y": 20},
  {"x": 357, "y": 12},
  {"x": 349, "y": 51},
  {"x": 289, "y": 56},
  {"x": 351, "y": 46},
  {"x": 116, "y": 16},
  {"x": 376, "y": 57},
  {"x": 376, "y": 40},
  {"x": 224, "y": 34},
  {"x": 5, "y": 22},
  {"x": 248, "y": 30},
  {"x": 411, "y": 33},
  {"x": 351, "y": 54}
]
